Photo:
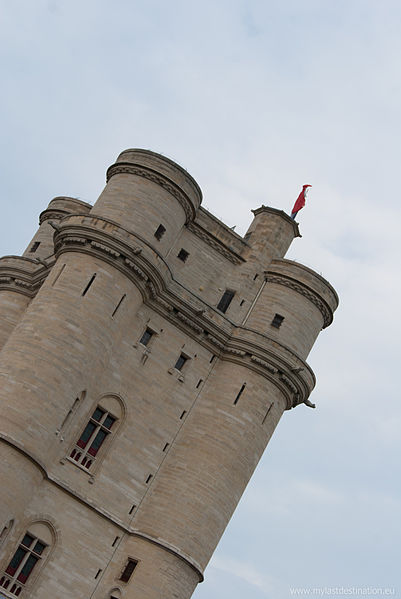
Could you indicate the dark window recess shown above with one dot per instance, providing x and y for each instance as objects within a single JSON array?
[
  {"x": 225, "y": 300},
  {"x": 34, "y": 246},
  {"x": 118, "y": 305},
  {"x": 180, "y": 362},
  {"x": 115, "y": 541},
  {"x": 183, "y": 255},
  {"x": 22, "y": 563},
  {"x": 132, "y": 509},
  {"x": 98, "y": 573},
  {"x": 128, "y": 570},
  {"x": 255, "y": 277},
  {"x": 146, "y": 337},
  {"x": 160, "y": 231},
  {"x": 240, "y": 392},
  {"x": 92, "y": 437},
  {"x": 166, "y": 446},
  {"x": 149, "y": 478},
  {"x": 277, "y": 321},
  {"x": 183, "y": 414},
  {"x": 242, "y": 302},
  {"x": 85, "y": 291},
  {"x": 199, "y": 383},
  {"x": 212, "y": 358}
]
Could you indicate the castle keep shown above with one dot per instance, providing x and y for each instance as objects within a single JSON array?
[{"x": 147, "y": 353}]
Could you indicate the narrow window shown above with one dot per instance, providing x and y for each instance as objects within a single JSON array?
[
  {"x": 115, "y": 541},
  {"x": 183, "y": 414},
  {"x": 85, "y": 291},
  {"x": 242, "y": 302},
  {"x": 183, "y": 255},
  {"x": 98, "y": 573},
  {"x": 199, "y": 383},
  {"x": 128, "y": 570},
  {"x": 267, "y": 413},
  {"x": 92, "y": 438},
  {"x": 277, "y": 321},
  {"x": 24, "y": 560},
  {"x": 166, "y": 446},
  {"x": 34, "y": 247},
  {"x": 180, "y": 362},
  {"x": 225, "y": 300},
  {"x": 132, "y": 509},
  {"x": 240, "y": 392},
  {"x": 160, "y": 231},
  {"x": 146, "y": 337},
  {"x": 149, "y": 478},
  {"x": 118, "y": 305},
  {"x": 212, "y": 358},
  {"x": 255, "y": 277}
]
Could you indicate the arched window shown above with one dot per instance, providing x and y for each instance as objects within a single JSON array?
[
  {"x": 96, "y": 434},
  {"x": 32, "y": 550}
]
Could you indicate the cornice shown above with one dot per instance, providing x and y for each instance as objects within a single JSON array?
[
  {"x": 159, "y": 179},
  {"x": 22, "y": 275},
  {"x": 157, "y": 291},
  {"x": 215, "y": 243},
  {"x": 302, "y": 289}
]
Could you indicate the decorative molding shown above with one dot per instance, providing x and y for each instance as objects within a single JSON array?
[
  {"x": 164, "y": 182},
  {"x": 281, "y": 372},
  {"x": 215, "y": 243},
  {"x": 105, "y": 248},
  {"x": 266, "y": 365},
  {"x": 311, "y": 295},
  {"x": 52, "y": 214},
  {"x": 135, "y": 268}
]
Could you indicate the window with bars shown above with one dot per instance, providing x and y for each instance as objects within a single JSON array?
[
  {"x": 29, "y": 553},
  {"x": 93, "y": 437}
]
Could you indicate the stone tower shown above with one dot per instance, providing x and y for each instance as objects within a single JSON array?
[{"x": 147, "y": 353}]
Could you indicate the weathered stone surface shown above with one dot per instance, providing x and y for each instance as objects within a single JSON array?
[{"x": 162, "y": 487}]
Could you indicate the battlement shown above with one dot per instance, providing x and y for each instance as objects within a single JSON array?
[{"x": 152, "y": 351}]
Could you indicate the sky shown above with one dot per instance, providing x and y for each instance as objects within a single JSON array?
[{"x": 254, "y": 98}]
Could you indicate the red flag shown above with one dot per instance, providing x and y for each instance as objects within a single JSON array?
[{"x": 300, "y": 203}]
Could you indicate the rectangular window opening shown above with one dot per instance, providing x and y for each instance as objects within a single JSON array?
[
  {"x": 225, "y": 300},
  {"x": 115, "y": 542},
  {"x": 166, "y": 446},
  {"x": 242, "y": 302},
  {"x": 199, "y": 383},
  {"x": 181, "y": 362},
  {"x": 146, "y": 337},
  {"x": 277, "y": 321},
  {"x": 118, "y": 305},
  {"x": 183, "y": 255},
  {"x": 85, "y": 291},
  {"x": 183, "y": 414},
  {"x": 240, "y": 392},
  {"x": 132, "y": 509},
  {"x": 212, "y": 358},
  {"x": 34, "y": 247},
  {"x": 98, "y": 573},
  {"x": 160, "y": 231},
  {"x": 149, "y": 478},
  {"x": 255, "y": 277},
  {"x": 128, "y": 570}
]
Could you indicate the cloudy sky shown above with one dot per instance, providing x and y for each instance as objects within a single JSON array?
[{"x": 254, "y": 98}]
